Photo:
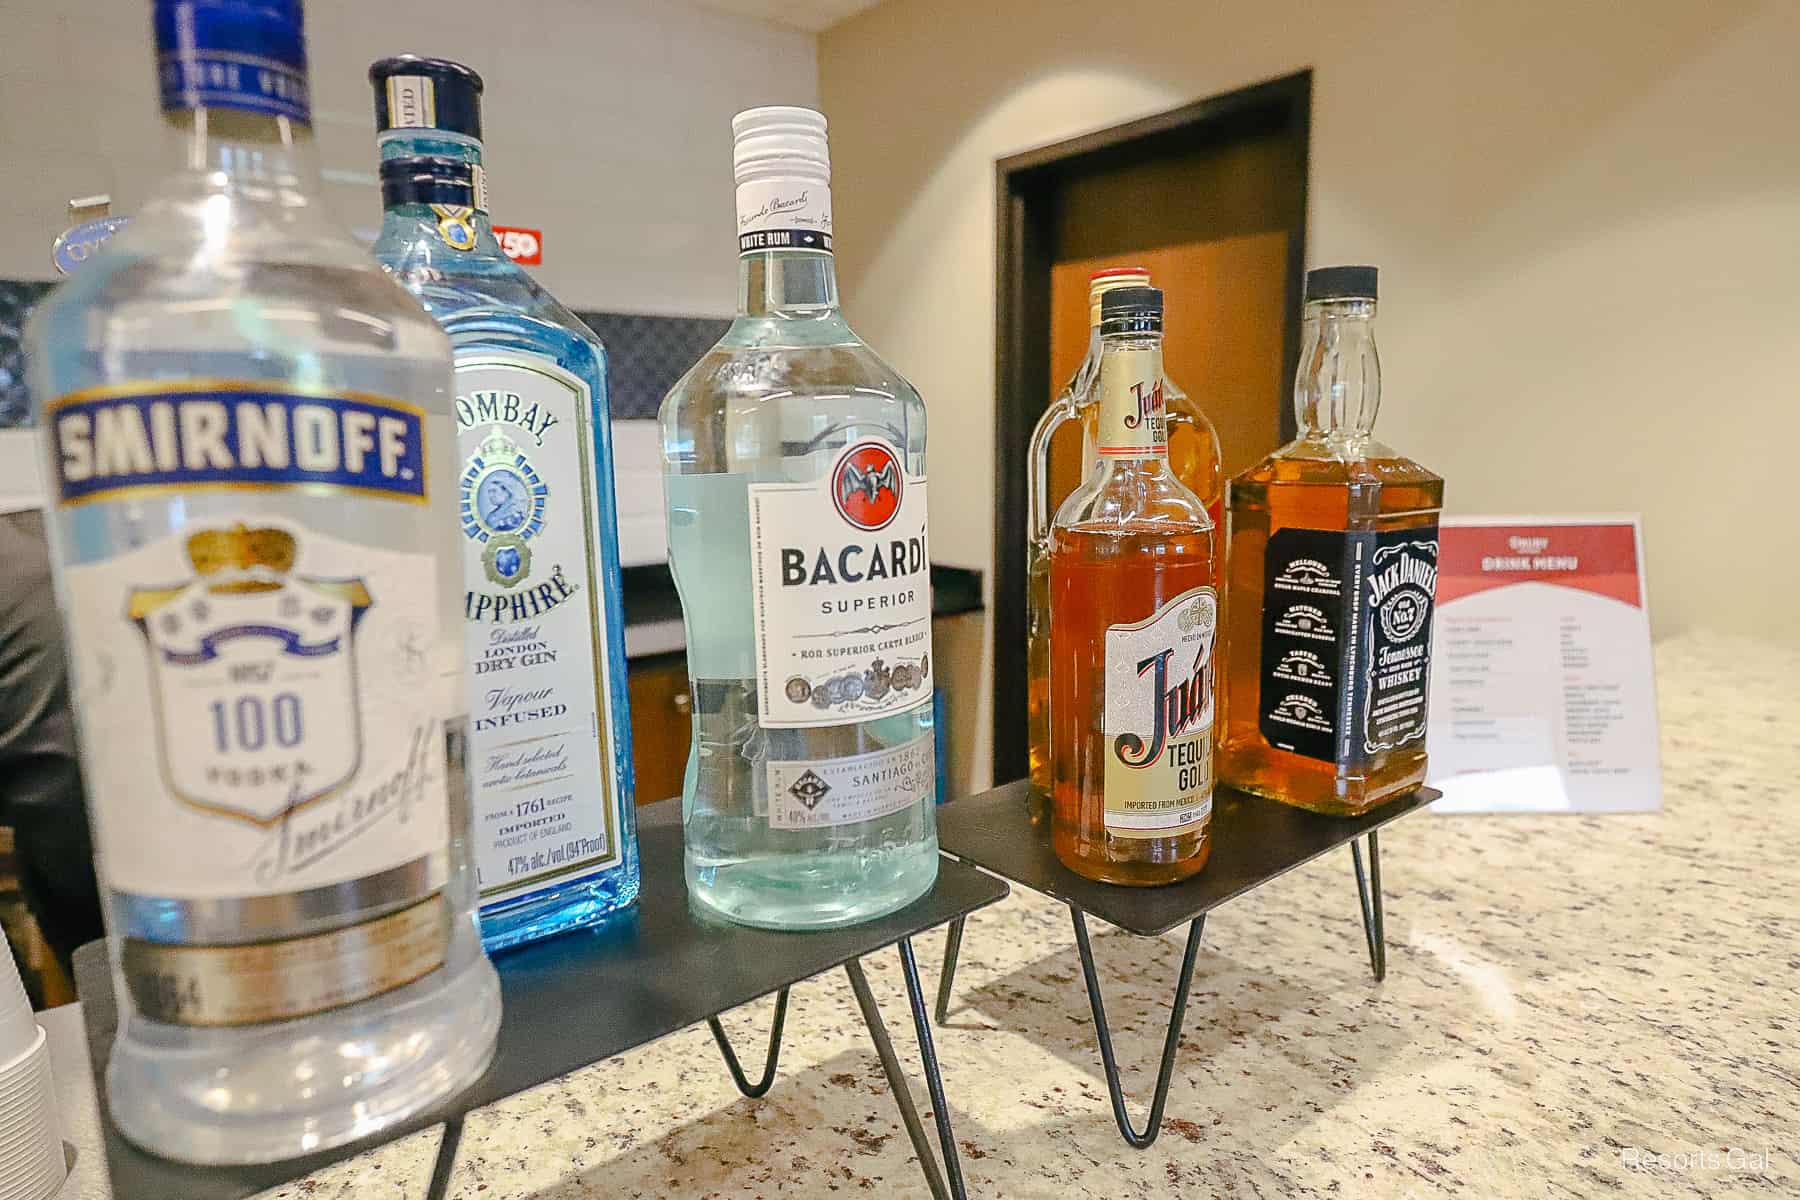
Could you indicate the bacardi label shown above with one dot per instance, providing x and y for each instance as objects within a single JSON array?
[
  {"x": 1159, "y": 717},
  {"x": 783, "y": 214},
  {"x": 845, "y": 791},
  {"x": 543, "y": 761},
  {"x": 841, "y": 592},
  {"x": 1346, "y": 643},
  {"x": 263, "y": 699}
]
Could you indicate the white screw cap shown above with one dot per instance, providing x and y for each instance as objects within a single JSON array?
[{"x": 780, "y": 141}]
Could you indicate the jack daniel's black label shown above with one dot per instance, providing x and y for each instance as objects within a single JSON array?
[{"x": 1346, "y": 645}]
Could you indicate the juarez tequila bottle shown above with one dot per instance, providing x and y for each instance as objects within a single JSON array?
[
  {"x": 1193, "y": 456},
  {"x": 249, "y": 443},
  {"x": 794, "y": 467},
  {"x": 550, "y": 730}
]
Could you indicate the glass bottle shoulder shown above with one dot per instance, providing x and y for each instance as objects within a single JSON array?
[
  {"x": 785, "y": 387},
  {"x": 485, "y": 301},
  {"x": 1318, "y": 460},
  {"x": 1127, "y": 497},
  {"x": 210, "y": 275}
]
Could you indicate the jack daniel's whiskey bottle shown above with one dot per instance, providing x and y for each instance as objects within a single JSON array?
[
  {"x": 1333, "y": 571},
  {"x": 549, "y": 730},
  {"x": 252, "y": 482},
  {"x": 1133, "y": 620}
]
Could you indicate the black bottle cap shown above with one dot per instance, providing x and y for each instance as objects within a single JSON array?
[
  {"x": 426, "y": 93},
  {"x": 427, "y": 179},
  {"x": 1340, "y": 283},
  {"x": 1131, "y": 310}
]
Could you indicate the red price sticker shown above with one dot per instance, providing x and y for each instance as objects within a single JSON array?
[{"x": 524, "y": 246}]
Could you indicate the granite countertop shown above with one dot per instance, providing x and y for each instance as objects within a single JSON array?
[{"x": 1562, "y": 992}]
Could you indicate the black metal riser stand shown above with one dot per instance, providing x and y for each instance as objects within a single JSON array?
[{"x": 1369, "y": 903}]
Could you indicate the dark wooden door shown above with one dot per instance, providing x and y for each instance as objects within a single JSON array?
[{"x": 1211, "y": 200}]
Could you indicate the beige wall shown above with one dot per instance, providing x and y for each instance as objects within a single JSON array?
[
  {"x": 1587, "y": 219},
  {"x": 608, "y": 126}
]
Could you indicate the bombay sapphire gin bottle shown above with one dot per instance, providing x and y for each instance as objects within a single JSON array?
[
  {"x": 252, "y": 502},
  {"x": 549, "y": 732},
  {"x": 794, "y": 467}
]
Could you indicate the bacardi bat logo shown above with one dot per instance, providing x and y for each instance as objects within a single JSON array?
[{"x": 866, "y": 485}]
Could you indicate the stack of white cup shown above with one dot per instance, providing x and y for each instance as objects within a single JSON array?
[{"x": 31, "y": 1151}]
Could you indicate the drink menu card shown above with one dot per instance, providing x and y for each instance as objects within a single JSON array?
[{"x": 1542, "y": 692}]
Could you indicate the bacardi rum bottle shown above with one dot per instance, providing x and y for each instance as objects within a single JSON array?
[
  {"x": 1333, "y": 567},
  {"x": 1193, "y": 456},
  {"x": 1133, "y": 617},
  {"x": 794, "y": 466},
  {"x": 549, "y": 729},
  {"x": 253, "y": 506}
]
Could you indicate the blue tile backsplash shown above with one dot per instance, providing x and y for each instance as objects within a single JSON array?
[
  {"x": 16, "y": 298},
  {"x": 647, "y": 354}
]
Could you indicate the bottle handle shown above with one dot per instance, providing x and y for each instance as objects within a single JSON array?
[{"x": 1037, "y": 469}]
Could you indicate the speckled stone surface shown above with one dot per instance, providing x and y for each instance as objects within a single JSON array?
[{"x": 1561, "y": 991}]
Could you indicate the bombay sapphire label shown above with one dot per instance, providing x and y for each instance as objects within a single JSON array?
[
  {"x": 111, "y": 442},
  {"x": 841, "y": 592},
  {"x": 1158, "y": 719},
  {"x": 783, "y": 214},
  {"x": 1346, "y": 640},
  {"x": 543, "y": 761},
  {"x": 269, "y": 693}
]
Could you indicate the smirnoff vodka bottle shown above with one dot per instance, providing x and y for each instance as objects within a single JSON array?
[
  {"x": 794, "y": 466},
  {"x": 549, "y": 730},
  {"x": 252, "y": 501}
]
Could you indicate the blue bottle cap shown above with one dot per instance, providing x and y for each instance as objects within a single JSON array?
[
  {"x": 426, "y": 93},
  {"x": 248, "y": 55}
]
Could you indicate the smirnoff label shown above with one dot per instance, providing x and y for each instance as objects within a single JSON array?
[
  {"x": 1133, "y": 418},
  {"x": 543, "y": 762},
  {"x": 263, "y": 699},
  {"x": 1159, "y": 718},
  {"x": 1346, "y": 649},
  {"x": 841, "y": 592}
]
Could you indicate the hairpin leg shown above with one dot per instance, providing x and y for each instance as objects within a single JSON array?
[
  {"x": 947, "y": 979},
  {"x": 761, "y": 1087},
  {"x": 446, "y": 1159},
  {"x": 1368, "y": 894},
  {"x": 896, "y": 1077},
  {"x": 1171, "y": 1041}
]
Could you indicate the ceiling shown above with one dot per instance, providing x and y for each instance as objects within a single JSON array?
[{"x": 809, "y": 15}]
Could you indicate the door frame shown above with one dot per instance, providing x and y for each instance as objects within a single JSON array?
[{"x": 1024, "y": 190}]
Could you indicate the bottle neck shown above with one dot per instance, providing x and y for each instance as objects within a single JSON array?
[
  {"x": 1337, "y": 388},
  {"x": 438, "y": 143},
  {"x": 1133, "y": 431},
  {"x": 243, "y": 149},
  {"x": 785, "y": 266},
  {"x": 409, "y": 221},
  {"x": 787, "y": 283}
]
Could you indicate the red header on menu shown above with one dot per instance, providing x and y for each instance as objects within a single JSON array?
[
  {"x": 1600, "y": 558},
  {"x": 524, "y": 246}
]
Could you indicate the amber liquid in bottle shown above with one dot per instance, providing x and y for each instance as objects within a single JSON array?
[
  {"x": 1336, "y": 478},
  {"x": 1063, "y": 452},
  {"x": 1133, "y": 620}
]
